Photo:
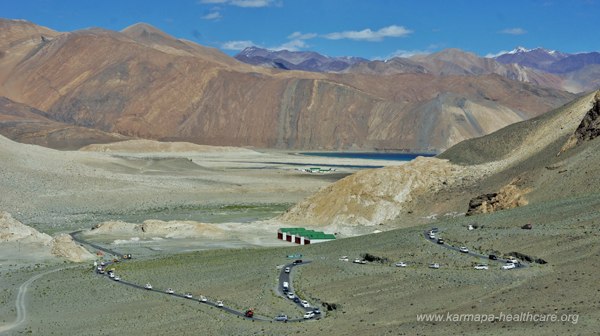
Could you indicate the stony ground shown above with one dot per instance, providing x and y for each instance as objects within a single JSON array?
[{"x": 376, "y": 298}]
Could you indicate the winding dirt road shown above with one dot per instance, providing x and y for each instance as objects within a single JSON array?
[{"x": 20, "y": 302}]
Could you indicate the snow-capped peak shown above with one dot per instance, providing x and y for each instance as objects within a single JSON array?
[{"x": 518, "y": 50}]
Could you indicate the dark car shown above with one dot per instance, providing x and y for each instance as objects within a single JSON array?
[
  {"x": 296, "y": 299},
  {"x": 493, "y": 257},
  {"x": 297, "y": 261},
  {"x": 317, "y": 311},
  {"x": 434, "y": 230},
  {"x": 440, "y": 241}
]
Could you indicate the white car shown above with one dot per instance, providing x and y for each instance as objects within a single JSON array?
[
  {"x": 219, "y": 303},
  {"x": 344, "y": 258},
  {"x": 434, "y": 266},
  {"x": 508, "y": 266},
  {"x": 309, "y": 315},
  {"x": 290, "y": 295},
  {"x": 305, "y": 304},
  {"x": 401, "y": 264},
  {"x": 117, "y": 278},
  {"x": 512, "y": 260},
  {"x": 463, "y": 249},
  {"x": 431, "y": 235},
  {"x": 111, "y": 275},
  {"x": 188, "y": 295},
  {"x": 357, "y": 261},
  {"x": 481, "y": 267},
  {"x": 203, "y": 298},
  {"x": 148, "y": 286},
  {"x": 169, "y": 291},
  {"x": 287, "y": 270}
]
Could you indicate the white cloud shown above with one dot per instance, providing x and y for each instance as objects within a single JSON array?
[
  {"x": 301, "y": 36},
  {"x": 212, "y": 16},
  {"x": 501, "y": 52},
  {"x": 513, "y": 31},
  {"x": 370, "y": 35},
  {"x": 237, "y": 45},
  {"x": 293, "y": 45},
  {"x": 241, "y": 3},
  {"x": 408, "y": 53}
]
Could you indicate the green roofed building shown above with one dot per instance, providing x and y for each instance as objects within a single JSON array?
[{"x": 303, "y": 236}]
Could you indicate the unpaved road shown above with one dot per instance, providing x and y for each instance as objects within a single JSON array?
[{"x": 20, "y": 302}]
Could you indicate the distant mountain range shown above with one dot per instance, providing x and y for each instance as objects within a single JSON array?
[
  {"x": 548, "y": 68},
  {"x": 296, "y": 60},
  {"x": 141, "y": 82}
]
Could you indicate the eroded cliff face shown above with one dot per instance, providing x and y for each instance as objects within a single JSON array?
[
  {"x": 508, "y": 197},
  {"x": 144, "y": 83},
  {"x": 588, "y": 129}
]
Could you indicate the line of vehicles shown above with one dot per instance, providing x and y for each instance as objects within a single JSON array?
[
  {"x": 308, "y": 314},
  {"x": 511, "y": 262}
]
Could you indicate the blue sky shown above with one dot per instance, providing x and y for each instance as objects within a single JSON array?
[{"x": 366, "y": 28}]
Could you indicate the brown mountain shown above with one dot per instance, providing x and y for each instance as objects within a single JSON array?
[
  {"x": 144, "y": 83},
  {"x": 29, "y": 125},
  {"x": 455, "y": 62}
]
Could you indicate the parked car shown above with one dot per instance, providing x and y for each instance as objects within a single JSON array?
[
  {"x": 363, "y": 261},
  {"x": 291, "y": 295},
  {"x": 512, "y": 260},
  {"x": 219, "y": 303},
  {"x": 203, "y": 298},
  {"x": 249, "y": 313},
  {"x": 434, "y": 266},
  {"x": 344, "y": 258},
  {"x": 356, "y": 261},
  {"x": 296, "y": 299},
  {"x": 508, "y": 266},
  {"x": 481, "y": 267},
  {"x": 169, "y": 291},
  {"x": 117, "y": 278},
  {"x": 401, "y": 264},
  {"x": 148, "y": 286},
  {"x": 434, "y": 230},
  {"x": 431, "y": 235},
  {"x": 317, "y": 311},
  {"x": 440, "y": 241},
  {"x": 309, "y": 315},
  {"x": 111, "y": 275},
  {"x": 287, "y": 270},
  {"x": 297, "y": 261},
  {"x": 188, "y": 295},
  {"x": 305, "y": 304},
  {"x": 463, "y": 249},
  {"x": 493, "y": 257},
  {"x": 281, "y": 317}
]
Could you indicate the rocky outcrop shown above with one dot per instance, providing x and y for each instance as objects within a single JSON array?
[
  {"x": 371, "y": 197},
  {"x": 157, "y": 229},
  {"x": 64, "y": 246},
  {"x": 588, "y": 129},
  {"x": 61, "y": 246},
  {"x": 13, "y": 230},
  {"x": 510, "y": 196}
]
